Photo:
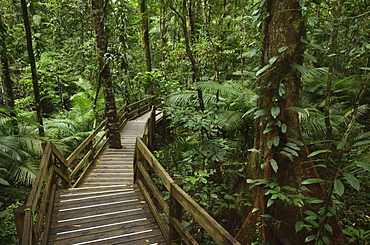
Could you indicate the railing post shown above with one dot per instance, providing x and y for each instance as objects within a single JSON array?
[
  {"x": 152, "y": 129},
  {"x": 19, "y": 222},
  {"x": 176, "y": 211}
]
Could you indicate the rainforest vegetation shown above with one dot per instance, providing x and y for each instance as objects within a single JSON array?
[{"x": 266, "y": 104}]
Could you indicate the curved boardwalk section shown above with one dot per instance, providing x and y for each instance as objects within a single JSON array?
[{"x": 106, "y": 208}]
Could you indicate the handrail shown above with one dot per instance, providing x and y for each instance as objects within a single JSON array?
[
  {"x": 179, "y": 199},
  {"x": 54, "y": 172}
]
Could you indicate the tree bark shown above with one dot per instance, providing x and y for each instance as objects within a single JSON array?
[
  {"x": 98, "y": 16},
  {"x": 31, "y": 56},
  {"x": 276, "y": 131},
  {"x": 8, "y": 86},
  {"x": 145, "y": 36}
]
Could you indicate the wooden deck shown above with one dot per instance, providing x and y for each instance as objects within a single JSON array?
[{"x": 106, "y": 208}]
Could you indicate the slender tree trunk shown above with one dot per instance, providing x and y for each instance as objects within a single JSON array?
[
  {"x": 98, "y": 17},
  {"x": 277, "y": 132},
  {"x": 8, "y": 86},
  {"x": 31, "y": 56},
  {"x": 145, "y": 36}
]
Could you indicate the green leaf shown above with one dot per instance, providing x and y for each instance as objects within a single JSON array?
[
  {"x": 338, "y": 187},
  {"x": 298, "y": 226},
  {"x": 291, "y": 151},
  {"x": 282, "y": 89},
  {"x": 260, "y": 71},
  {"x": 316, "y": 201},
  {"x": 298, "y": 142},
  {"x": 318, "y": 152},
  {"x": 293, "y": 146},
  {"x": 273, "y": 59},
  {"x": 287, "y": 154},
  {"x": 289, "y": 188},
  {"x": 276, "y": 140},
  {"x": 363, "y": 165},
  {"x": 311, "y": 181},
  {"x": 363, "y": 142},
  {"x": 4, "y": 182},
  {"x": 297, "y": 109},
  {"x": 229, "y": 197},
  {"x": 259, "y": 113},
  {"x": 274, "y": 165},
  {"x": 328, "y": 228},
  {"x": 326, "y": 240},
  {"x": 275, "y": 111},
  {"x": 283, "y": 128},
  {"x": 282, "y": 49},
  {"x": 352, "y": 180},
  {"x": 302, "y": 69},
  {"x": 310, "y": 238},
  {"x": 270, "y": 202},
  {"x": 267, "y": 130},
  {"x": 310, "y": 57},
  {"x": 341, "y": 145}
]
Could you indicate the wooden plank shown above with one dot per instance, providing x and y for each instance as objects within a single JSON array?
[
  {"x": 45, "y": 237},
  {"x": 185, "y": 235}
]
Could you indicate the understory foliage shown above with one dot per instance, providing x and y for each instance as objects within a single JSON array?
[{"x": 211, "y": 114}]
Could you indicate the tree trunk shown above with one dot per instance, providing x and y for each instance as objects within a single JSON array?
[
  {"x": 98, "y": 16},
  {"x": 145, "y": 36},
  {"x": 31, "y": 56},
  {"x": 280, "y": 154},
  {"x": 8, "y": 86}
]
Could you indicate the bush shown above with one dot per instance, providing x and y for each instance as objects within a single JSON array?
[{"x": 8, "y": 232}]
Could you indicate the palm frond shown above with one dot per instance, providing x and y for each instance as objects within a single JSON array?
[
  {"x": 232, "y": 120},
  {"x": 214, "y": 88}
]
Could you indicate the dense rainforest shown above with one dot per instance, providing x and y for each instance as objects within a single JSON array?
[{"x": 266, "y": 104}]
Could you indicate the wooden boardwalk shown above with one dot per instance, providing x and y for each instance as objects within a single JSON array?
[{"x": 106, "y": 208}]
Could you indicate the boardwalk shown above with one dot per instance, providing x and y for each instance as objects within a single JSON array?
[{"x": 106, "y": 208}]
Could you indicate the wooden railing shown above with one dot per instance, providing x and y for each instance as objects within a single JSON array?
[
  {"x": 179, "y": 201},
  {"x": 33, "y": 219}
]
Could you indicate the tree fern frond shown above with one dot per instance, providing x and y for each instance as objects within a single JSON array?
[
  {"x": 214, "y": 88},
  {"x": 232, "y": 120},
  {"x": 183, "y": 98}
]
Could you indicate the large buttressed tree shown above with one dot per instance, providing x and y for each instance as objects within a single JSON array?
[
  {"x": 98, "y": 18},
  {"x": 279, "y": 162}
]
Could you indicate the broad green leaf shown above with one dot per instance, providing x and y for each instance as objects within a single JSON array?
[
  {"x": 328, "y": 228},
  {"x": 298, "y": 142},
  {"x": 276, "y": 140},
  {"x": 297, "y": 109},
  {"x": 311, "y": 181},
  {"x": 275, "y": 111},
  {"x": 273, "y": 59},
  {"x": 298, "y": 226},
  {"x": 316, "y": 201},
  {"x": 318, "y": 152},
  {"x": 363, "y": 142},
  {"x": 283, "y": 128},
  {"x": 291, "y": 151},
  {"x": 260, "y": 71},
  {"x": 282, "y": 49},
  {"x": 289, "y": 188},
  {"x": 310, "y": 57},
  {"x": 267, "y": 130},
  {"x": 282, "y": 89},
  {"x": 352, "y": 180},
  {"x": 293, "y": 146},
  {"x": 338, "y": 187},
  {"x": 274, "y": 165},
  {"x": 270, "y": 202},
  {"x": 310, "y": 238},
  {"x": 287, "y": 154},
  {"x": 4, "y": 182},
  {"x": 229, "y": 197},
  {"x": 365, "y": 68},
  {"x": 363, "y": 165},
  {"x": 326, "y": 240},
  {"x": 341, "y": 145},
  {"x": 302, "y": 69},
  {"x": 259, "y": 113}
]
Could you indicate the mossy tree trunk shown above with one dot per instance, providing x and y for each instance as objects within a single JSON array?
[
  {"x": 98, "y": 17},
  {"x": 280, "y": 154}
]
